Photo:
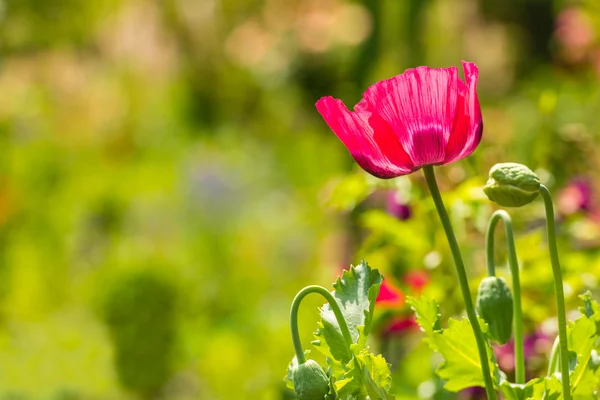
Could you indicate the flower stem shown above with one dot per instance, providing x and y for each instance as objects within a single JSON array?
[
  {"x": 462, "y": 279},
  {"x": 560, "y": 295},
  {"x": 514, "y": 271},
  {"x": 336, "y": 311},
  {"x": 553, "y": 363}
]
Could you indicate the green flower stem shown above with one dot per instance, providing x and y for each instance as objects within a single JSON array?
[
  {"x": 560, "y": 295},
  {"x": 514, "y": 271},
  {"x": 462, "y": 279},
  {"x": 336, "y": 311},
  {"x": 553, "y": 364}
]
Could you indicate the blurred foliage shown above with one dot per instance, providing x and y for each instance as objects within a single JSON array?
[
  {"x": 139, "y": 311},
  {"x": 181, "y": 136}
]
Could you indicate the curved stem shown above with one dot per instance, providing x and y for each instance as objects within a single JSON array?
[
  {"x": 516, "y": 284},
  {"x": 336, "y": 311},
  {"x": 560, "y": 295},
  {"x": 462, "y": 279},
  {"x": 554, "y": 356}
]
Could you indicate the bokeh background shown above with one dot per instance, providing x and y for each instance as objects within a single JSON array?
[{"x": 167, "y": 186}]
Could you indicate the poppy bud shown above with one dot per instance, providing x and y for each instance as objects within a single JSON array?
[
  {"x": 310, "y": 381},
  {"x": 495, "y": 306},
  {"x": 512, "y": 185}
]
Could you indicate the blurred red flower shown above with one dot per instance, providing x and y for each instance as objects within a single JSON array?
[
  {"x": 417, "y": 280},
  {"x": 425, "y": 116},
  {"x": 389, "y": 296}
]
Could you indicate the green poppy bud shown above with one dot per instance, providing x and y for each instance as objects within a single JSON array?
[
  {"x": 512, "y": 185},
  {"x": 310, "y": 381},
  {"x": 495, "y": 306}
]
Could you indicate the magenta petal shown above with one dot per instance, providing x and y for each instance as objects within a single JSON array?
[
  {"x": 376, "y": 150},
  {"x": 469, "y": 125},
  {"x": 420, "y": 106}
]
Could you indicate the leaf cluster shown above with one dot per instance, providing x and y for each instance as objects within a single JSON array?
[
  {"x": 461, "y": 367},
  {"x": 356, "y": 374}
]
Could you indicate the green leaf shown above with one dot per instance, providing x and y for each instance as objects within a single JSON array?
[
  {"x": 582, "y": 335},
  {"x": 590, "y": 309},
  {"x": 367, "y": 375},
  {"x": 513, "y": 391},
  {"x": 461, "y": 367},
  {"x": 547, "y": 388},
  {"x": 427, "y": 312},
  {"x": 355, "y": 291},
  {"x": 590, "y": 306},
  {"x": 332, "y": 395},
  {"x": 289, "y": 377},
  {"x": 358, "y": 374},
  {"x": 376, "y": 375}
]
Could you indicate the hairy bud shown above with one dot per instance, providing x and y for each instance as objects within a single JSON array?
[
  {"x": 495, "y": 306},
  {"x": 310, "y": 381},
  {"x": 512, "y": 185}
]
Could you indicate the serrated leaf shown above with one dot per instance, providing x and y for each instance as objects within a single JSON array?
[
  {"x": 461, "y": 367},
  {"x": 289, "y": 377},
  {"x": 591, "y": 309},
  {"x": 355, "y": 292},
  {"x": 513, "y": 391},
  {"x": 427, "y": 312},
  {"x": 547, "y": 388},
  {"x": 581, "y": 336},
  {"x": 348, "y": 388},
  {"x": 367, "y": 375},
  {"x": 332, "y": 395},
  {"x": 376, "y": 375}
]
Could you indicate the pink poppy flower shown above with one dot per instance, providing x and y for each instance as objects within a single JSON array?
[{"x": 425, "y": 116}]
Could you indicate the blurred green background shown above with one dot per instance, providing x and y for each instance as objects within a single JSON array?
[{"x": 167, "y": 186}]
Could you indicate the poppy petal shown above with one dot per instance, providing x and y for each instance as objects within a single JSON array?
[
  {"x": 376, "y": 149},
  {"x": 468, "y": 128},
  {"x": 420, "y": 106}
]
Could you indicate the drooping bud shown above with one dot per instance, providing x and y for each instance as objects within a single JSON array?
[
  {"x": 495, "y": 306},
  {"x": 512, "y": 185},
  {"x": 310, "y": 381}
]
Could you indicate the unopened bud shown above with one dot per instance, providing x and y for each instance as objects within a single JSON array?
[
  {"x": 495, "y": 306},
  {"x": 512, "y": 185},
  {"x": 310, "y": 381}
]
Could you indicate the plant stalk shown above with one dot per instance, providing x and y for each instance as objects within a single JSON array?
[
  {"x": 560, "y": 295},
  {"x": 336, "y": 311},
  {"x": 462, "y": 279},
  {"x": 516, "y": 284}
]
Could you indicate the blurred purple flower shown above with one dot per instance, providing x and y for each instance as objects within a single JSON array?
[
  {"x": 396, "y": 208},
  {"x": 575, "y": 196},
  {"x": 472, "y": 393},
  {"x": 535, "y": 348}
]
